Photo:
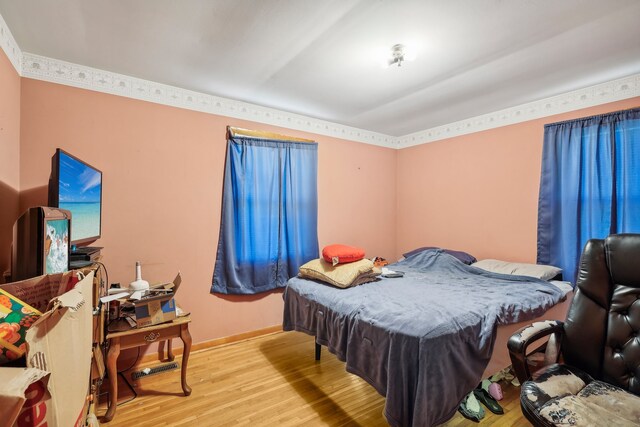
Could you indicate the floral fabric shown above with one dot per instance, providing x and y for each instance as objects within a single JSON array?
[{"x": 15, "y": 318}]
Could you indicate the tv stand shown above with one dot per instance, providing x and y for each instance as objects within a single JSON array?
[
  {"x": 86, "y": 250},
  {"x": 86, "y": 253},
  {"x": 80, "y": 263}
]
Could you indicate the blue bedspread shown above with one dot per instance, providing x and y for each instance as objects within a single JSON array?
[{"x": 423, "y": 340}]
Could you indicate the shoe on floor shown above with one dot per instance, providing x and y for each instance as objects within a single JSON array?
[
  {"x": 493, "y": 388},
  {"x": 470, "y": 408},
  {"x": 495, "y": 391},
  {"x": 483, "y": 396}
]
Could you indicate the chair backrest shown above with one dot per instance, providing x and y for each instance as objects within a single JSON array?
[{"x": 602, "y": 330}]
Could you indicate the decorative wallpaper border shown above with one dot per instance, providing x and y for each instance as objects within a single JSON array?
[
  {"x": 9, "y": 46},
  {"x": 616, "y": 90},
  {"x": 66, "y": 73},
  {"x": 53, "y": 70}
]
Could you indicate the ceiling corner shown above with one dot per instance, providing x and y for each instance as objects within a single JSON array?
[{"x": 10, "y": 46}]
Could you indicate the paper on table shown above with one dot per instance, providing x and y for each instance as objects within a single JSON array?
[{"x": 114, "y": 297}]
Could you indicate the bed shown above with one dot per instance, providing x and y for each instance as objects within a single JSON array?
[{"x": 425, "y": 340}]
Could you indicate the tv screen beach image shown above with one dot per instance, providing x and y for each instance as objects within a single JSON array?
[{"x": 79, "y": 191}]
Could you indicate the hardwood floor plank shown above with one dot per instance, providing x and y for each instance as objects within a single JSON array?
[{"x": 271, "y": 380}]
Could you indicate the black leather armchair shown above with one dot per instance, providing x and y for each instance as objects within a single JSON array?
[{"x": 599, "y": 382}]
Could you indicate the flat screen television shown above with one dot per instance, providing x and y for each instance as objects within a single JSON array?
[
  {"x": 76, "y": 186},
  {"x": 41, "y": 243}
]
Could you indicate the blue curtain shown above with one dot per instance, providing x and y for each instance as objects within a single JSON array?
[
  {"x": 590, "y": 185},
  {"x": 269, "y": 214}
]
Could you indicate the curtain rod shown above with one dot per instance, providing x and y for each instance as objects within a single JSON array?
[
  {"x": 233, "y": 131},
  {"x": 596, "y": 116}
]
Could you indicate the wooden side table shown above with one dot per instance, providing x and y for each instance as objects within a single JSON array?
[{"x": 134, "y": 337}]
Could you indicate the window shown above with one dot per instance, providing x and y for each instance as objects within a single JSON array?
[
  {"x": 269, "y": 212},
  {"x": 590, "y": 185}
]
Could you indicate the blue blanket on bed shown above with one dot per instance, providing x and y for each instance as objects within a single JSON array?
[{"x": 423, "y": 340}]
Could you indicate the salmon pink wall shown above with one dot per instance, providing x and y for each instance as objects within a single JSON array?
[
  {"x": 478, "y": 192},
  {"x": 163, "y": 170},
  {"x": 162, "y": 182},
  {"x": 9, "y": 156}
]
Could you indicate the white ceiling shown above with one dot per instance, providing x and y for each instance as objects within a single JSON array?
[{"x": 318, "y": 57}]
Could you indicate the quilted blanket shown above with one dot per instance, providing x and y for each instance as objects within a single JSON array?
[{"x": 423, "y": 340}]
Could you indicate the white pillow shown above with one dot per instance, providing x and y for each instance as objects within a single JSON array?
[{"x": 544, "y": 272}]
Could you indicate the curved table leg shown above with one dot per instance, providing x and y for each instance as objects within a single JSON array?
[
  {"x": 185, "y": 336},
  {"x": 112, "y": 371}
]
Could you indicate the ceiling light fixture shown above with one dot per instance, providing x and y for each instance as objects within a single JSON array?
[{"x": 399, "y": 54}]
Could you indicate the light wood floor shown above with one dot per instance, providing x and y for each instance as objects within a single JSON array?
[{"x": 269, "y": 381}]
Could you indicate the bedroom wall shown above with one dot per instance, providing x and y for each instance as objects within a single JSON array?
[
  {"x": 162, "y": 182},
  {"x": 163, "y": 170},
  {"x": 9, "y": 157},
  {"x": 478, "y": 192}
]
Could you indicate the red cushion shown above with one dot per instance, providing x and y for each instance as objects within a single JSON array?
[{"x": 340, "y": 254}]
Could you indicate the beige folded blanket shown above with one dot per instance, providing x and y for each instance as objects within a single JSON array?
[{"x": 341, "y": 275}]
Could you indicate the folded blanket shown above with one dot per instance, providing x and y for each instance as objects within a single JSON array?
[{"x": 341, "y": 275}]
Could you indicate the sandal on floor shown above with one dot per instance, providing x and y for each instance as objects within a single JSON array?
[
  {"x": 493, "y": 388},
  {"x": 483, "y": 396},
  {"x": 495, "y": 391},
  {"x": 470, "y": 408}
]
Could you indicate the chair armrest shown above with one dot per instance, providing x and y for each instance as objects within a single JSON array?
[{"x": 521, "y": 339}]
